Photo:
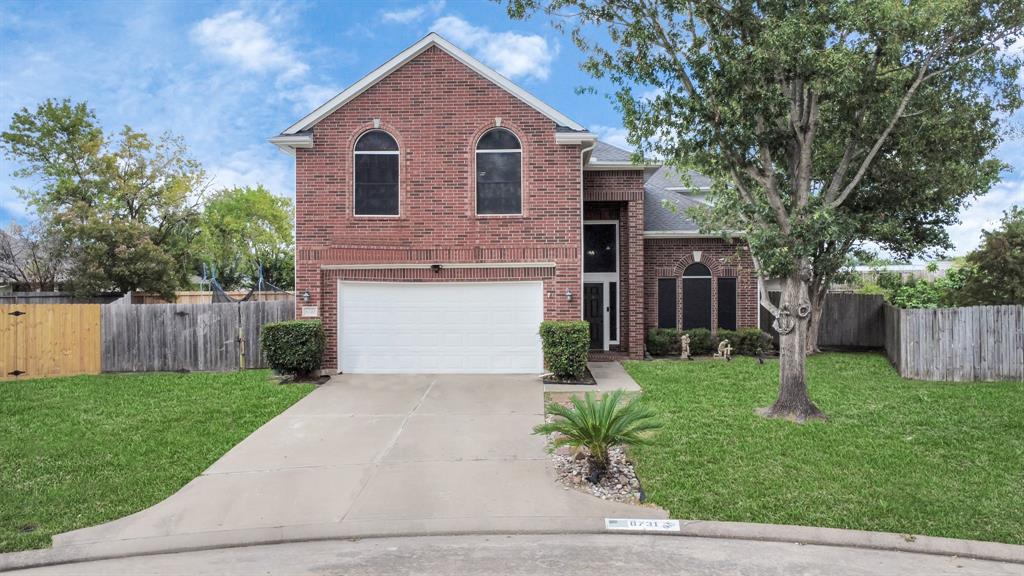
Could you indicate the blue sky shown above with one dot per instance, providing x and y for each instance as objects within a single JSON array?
[{"x": 226, "y": 76}]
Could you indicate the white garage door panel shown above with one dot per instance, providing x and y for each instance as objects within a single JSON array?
[{"x": 468, "y": 327}]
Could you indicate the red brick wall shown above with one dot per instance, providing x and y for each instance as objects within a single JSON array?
[
  {"x": 667, "y": 258},
  {"x": 612, "y": 185},
  {"x": 436, "y": 109},
  {"x": 618, "y": 195}
]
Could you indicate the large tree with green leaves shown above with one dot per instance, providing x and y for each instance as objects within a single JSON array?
[
  {"x": 808, "y": 117},
  {"x": 125, "y": 207},
  {"x": 994, "y": 272},
  {"x": 914, "y": 190},
  {"x": 244, "y": 230}
]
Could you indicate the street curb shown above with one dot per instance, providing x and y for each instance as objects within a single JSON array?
[{"x": 888, "y": 541}]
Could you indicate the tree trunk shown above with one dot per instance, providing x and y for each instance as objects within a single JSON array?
[
  {"x": 817, "y": 295},
  {"x": 793, "y": 402}
]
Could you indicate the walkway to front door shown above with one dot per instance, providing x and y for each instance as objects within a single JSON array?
[{"x": 376, "y": 454}]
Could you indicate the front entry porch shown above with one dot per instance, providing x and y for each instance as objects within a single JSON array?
[{"x": 612, "y": 291}]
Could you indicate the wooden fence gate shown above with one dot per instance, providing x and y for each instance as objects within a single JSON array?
[{"x": 38, "y": 340}]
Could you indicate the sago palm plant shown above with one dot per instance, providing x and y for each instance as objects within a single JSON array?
[{"x": 599, "y": 425}]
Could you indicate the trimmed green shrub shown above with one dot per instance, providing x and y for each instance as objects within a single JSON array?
[
  {"x": 663, "y": 342},
  {"x": 294, "y": 347},
  {"x": 701, "y": 342},
  {"x": 565, "y": 344},
  {"x": 753, "y": 342},
  {"x": 744, "y": 342}
]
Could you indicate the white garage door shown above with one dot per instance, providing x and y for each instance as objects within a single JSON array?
[{"x": 468, "y": 327}]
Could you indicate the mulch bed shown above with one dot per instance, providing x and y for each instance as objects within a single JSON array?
[{"x": 585, "y": 380}]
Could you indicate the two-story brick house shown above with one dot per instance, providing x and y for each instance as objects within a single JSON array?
[{"x": 442, "y": 212}]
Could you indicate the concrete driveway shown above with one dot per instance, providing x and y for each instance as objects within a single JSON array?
[{"x": 373, "y": 455}]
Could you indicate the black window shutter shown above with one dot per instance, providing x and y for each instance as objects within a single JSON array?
[
  {"x": 696, "y": 303},
  {"x": 666, "y": 303},
  {"x": 727, "y": 303}
]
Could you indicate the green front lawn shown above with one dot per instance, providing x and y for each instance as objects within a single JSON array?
[
  {"x": 942, "y": 459},
  {"x": 82, "y": 450}
]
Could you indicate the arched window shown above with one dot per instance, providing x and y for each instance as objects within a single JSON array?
[
  {"x": 696, "y": 296},
  {"x": 499, "y": 177},
  {"x": 376, "y": 191}
]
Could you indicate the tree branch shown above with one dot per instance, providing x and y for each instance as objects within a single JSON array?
[
  {"x": 832, "y": 201},
  {"x": 762, "y": 289}
]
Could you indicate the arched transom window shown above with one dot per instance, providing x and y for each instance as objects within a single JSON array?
[
  {"x": 376, "y": 190},
  {"x": 499, "y": 177}
]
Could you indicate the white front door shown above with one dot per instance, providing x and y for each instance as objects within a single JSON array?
[{"x": 433, "y": 327}]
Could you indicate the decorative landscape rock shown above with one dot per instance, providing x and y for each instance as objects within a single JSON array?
[{"x": 619, "y": 482}]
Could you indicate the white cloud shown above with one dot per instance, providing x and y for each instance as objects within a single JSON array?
[
  {"x": 242, "y": 39},
  {"x": 251, "y": 166},
  {"x": 614, "y": 135},
  {"x": 254, "y": 44},
  {"x": 311, "y": 96},
  {"x": 512, "y": 55},
  {"x": 414, "y": 14},
  {"x": 985, "y": 214}
]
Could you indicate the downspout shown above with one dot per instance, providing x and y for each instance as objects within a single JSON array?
[{"x": 583, "y": 152}]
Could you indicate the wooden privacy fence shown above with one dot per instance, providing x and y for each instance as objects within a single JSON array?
[
  {"x": 852, "y": 321},
  {"x": 49, "y": 340},
  {"x": 168, "y": 337},
  {"x": 205, "y": 297},
  {"x": 847, "y": 321},
  {"x": 956, "y": 344},
  {"x": 40, "y": 340}
]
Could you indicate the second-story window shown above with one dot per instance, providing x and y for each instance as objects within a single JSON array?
[
  {"x": 499, "y": 178},
  {"x": 376, "y": 191}
]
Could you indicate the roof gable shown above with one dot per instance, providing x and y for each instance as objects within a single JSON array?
[{"x": 432, "y": 39}]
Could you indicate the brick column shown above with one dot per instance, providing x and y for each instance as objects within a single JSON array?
[{"x": 635, "y": 271}]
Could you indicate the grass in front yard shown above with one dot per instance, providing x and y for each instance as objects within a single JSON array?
[
  {"x": 941, "y": 459},
  {"x": 83, "y": 450}
]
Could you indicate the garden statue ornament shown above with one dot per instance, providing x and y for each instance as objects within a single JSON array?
[
  {"x": 684, "y": 347},
  {"x": 724, "y": 350}
]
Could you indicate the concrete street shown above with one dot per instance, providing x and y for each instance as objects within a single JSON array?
[{"x": 585, "y": 555}]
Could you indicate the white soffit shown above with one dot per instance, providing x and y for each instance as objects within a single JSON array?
[{"x": 432, "y": 39}]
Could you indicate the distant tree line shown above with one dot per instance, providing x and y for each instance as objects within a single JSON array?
[
  {"x": 992, "y": 274},
  {"x": 131, "y": 213}
]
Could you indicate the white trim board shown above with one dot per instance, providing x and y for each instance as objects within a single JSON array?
[{"x": 432, "y": 39}]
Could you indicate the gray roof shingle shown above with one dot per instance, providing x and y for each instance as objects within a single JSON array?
[
  {"x": 665, "y": 209},
  {"x": 607, "y": 153},
  {"x": 665, "y": 200}
]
